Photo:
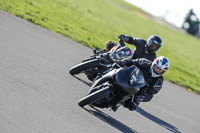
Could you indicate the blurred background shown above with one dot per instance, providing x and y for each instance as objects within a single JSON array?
[{"x": 182, "y": 14}]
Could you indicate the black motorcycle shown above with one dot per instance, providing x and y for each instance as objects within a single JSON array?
[
  {"x": 101, "y": 62},
  {"x": 114, "y": 87}
]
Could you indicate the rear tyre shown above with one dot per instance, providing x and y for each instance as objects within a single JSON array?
[
  {"x": 83, "y": 66},
  {"x": 94, "y": 96}
]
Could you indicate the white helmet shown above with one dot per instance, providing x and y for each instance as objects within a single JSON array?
[{"x": 159, "y": 66}]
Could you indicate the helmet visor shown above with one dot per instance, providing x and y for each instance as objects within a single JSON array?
[
  {"x": 153, "y": 47},
  {"x": 157, "y": 70}
]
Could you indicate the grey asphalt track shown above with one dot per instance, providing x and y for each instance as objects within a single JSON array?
[{"x": 38, "y": 95}]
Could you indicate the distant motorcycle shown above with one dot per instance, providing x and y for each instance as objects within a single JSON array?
[
  {"x": 101, "y": 62},
  {"x": 114, "y": 87}
]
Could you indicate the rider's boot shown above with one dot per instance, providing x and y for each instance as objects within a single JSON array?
[{"x": 115, "y": 107}]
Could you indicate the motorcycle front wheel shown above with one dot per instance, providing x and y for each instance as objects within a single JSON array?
[{"x": 93, "y": 97}]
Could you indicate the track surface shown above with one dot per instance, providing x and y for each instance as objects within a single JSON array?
[{"x": 39, "y": 96}]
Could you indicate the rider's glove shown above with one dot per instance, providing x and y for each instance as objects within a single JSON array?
[
  {"x": 124, "y": 37},
  {"x": 121, "y": 36}
]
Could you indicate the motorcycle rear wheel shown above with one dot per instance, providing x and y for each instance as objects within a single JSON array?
[{"x": 83, "y": 66}]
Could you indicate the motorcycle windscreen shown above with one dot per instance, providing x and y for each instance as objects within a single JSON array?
[
  {"x": 130, "y": 79},
  {"x": 123, "y": 52},
  {"x": 137, "y": 78}
]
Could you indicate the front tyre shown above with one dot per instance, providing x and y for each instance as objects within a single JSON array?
[
  {"x": 83, "y": 66},
  {"x": 93, "y": 97}
]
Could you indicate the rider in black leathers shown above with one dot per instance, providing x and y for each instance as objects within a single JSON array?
[
  {"x": 193, "y": 21},
  {"x": 152, "y": 72},
  {"x": 143, "y": 49}
]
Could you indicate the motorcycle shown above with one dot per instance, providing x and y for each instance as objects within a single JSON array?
[
  {"x": 101, "y": 62},
  {"x": 114, "y": 88}
]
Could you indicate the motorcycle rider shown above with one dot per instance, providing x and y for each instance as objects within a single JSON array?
[
  {"x": 192, "y": 20},
  {"x": 143, "y": 49},
  {"x": 152, "y": 72}
]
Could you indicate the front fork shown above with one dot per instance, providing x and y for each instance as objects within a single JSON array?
[
  {"x": 98, "y": 87},
  {"x": 101, "y": 70}
]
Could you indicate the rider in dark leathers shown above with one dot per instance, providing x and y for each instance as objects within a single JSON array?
[
  {"x": 152, "y": 72},
  {"x": 143, "y": 49},
  {"x": 193, "y": 21}
]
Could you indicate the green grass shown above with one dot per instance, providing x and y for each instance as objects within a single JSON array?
[
  {"x": 129, "y": 6},
  {"x": 94, "y": 22}
]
